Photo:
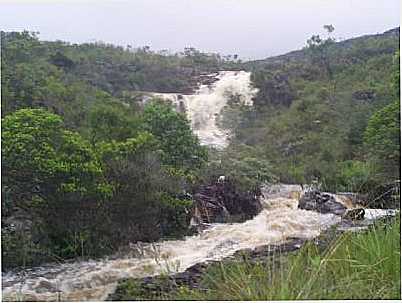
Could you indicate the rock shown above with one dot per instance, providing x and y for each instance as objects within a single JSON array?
[
  {"x": 321, "y": 202},
  {"x": 46, "y": 286},
  {"x": 221, "y": 201},
  {"x": 363, "y": 95},
  {"x": 354, "y": 214},
  {"x": 276, "y": 90}
]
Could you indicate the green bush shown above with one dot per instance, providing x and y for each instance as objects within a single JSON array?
[
  {"x": 382, "y": 138},
  {"x": 172, "y": 130},
  {"x": 40, "y": 159}
]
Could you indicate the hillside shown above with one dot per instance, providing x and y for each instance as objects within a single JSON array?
[
  {"x": 385, "y": 41},
  {"x": 310, "y": 115}
]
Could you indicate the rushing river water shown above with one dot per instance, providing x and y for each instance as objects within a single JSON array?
[
  {"x": 94, "y": 280},
  {"x": 279, "y": 220}
]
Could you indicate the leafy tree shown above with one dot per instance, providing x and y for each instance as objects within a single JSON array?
[
  {"x": 382, "y": 137},
  {"x": 180, "y": 146},
  {"x": 40, "y": 159},
  {"x": 146, "y": 203},
  {"x": 318, "y": 49},
  {"x": 112, "y": 121}
]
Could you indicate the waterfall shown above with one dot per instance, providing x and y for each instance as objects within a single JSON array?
[{"x": 203, "y": 107}]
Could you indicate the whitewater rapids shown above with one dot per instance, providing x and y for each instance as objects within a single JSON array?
[{"x": 95, "y": 280}]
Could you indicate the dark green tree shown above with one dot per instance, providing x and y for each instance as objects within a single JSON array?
[
  {"x": 40, "y": 159},
  {"x": 382, "y": 138},
  {"x": 318, "y": 48},
  {"x": 181, "y": 147}
]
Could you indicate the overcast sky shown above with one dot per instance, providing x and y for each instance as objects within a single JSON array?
[{"x": 250, "y": 28}]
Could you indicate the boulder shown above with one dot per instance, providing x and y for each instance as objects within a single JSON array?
[
  {"x": 321, "y": 202},
  {"x": 221, "y": 201},
  {"x": 364, "y": 95},
  {"x": 354, "y": 214}
]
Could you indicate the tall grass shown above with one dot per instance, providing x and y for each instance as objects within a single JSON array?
[{"x": 362, "y": 265}]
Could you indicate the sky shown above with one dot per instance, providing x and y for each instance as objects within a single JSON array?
[{"x": 253, "y": 29}]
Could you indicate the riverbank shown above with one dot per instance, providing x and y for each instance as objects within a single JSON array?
[{"x": 335, "y": 265}]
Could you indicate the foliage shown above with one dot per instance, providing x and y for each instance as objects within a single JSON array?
[
  {"x": 382, "y": 137},
  {"x": 175, "y": 215},
  {"x": 355, "y": 266},
  {"x": 180, "y": 146},
  {"x": 40, "y": 158},
  {"x": 396, "y": 81},
  {"x": 355, "y": 176},
  {"x": 241, "y": 165},
  {"x": 318, "y": 49},
  {"x": 145, "y": 205},
  {"x": 308, "y": 126},
  {"x": 112, "y": 121}
]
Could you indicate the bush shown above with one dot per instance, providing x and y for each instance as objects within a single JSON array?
[
  {"x": 172, "y": 130},
  {"x": 382, "y": 139},
  {"x": 40, "y": 159}
]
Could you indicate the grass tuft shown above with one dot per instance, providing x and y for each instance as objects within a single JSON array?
[{"x": 363, "y": 265}]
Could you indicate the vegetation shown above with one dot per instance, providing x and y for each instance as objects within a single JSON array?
[
  {"x": 324, "y": 111},
  {"x": 87, "y": 168},
  {"x": 362, "y": 265}
]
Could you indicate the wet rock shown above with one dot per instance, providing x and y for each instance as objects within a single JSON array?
[
  {"x": 354, "y": 214},
  {"x": 364, "y": 95},
  {"x": 221, "y": 201},
  {"x": 46, "y": 286},
  {"x": 321, "y": 202}
]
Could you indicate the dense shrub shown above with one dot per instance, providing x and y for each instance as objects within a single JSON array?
[
  {"x": 181, "y": 147},
  {"x": 382, "y": 138},
  {"x": 40, "y": 159},
  {"x": 61, "y": 199}
]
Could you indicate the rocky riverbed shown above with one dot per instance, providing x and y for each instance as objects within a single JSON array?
[
  {"x": 158, "y": 287},
  {"x": 353, "y": 218}
]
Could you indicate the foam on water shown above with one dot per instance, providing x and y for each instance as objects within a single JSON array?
[{"x": 279, "y": 220}]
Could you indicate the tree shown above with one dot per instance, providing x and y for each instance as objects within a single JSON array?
[
  {"x": 146, "y": 203},
  {"x": 172, "y": 129},
  {"x": 40, "y": 159},
  {"x": 382, "y": 138},
  {"x": 318, "y": 49},
  {"x": 112, "y": 121}
]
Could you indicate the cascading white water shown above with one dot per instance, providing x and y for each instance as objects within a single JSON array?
[
  {"x": 94, "y": 280},
  {"x": 206, "y": 104},
  {"x": 279, "y": 220}
]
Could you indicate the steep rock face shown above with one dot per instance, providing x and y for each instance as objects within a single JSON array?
[
  {"x": 220, "y": 202},
  {"x": 274, "y": 89},
  {"x": 321, "y": 202}
]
